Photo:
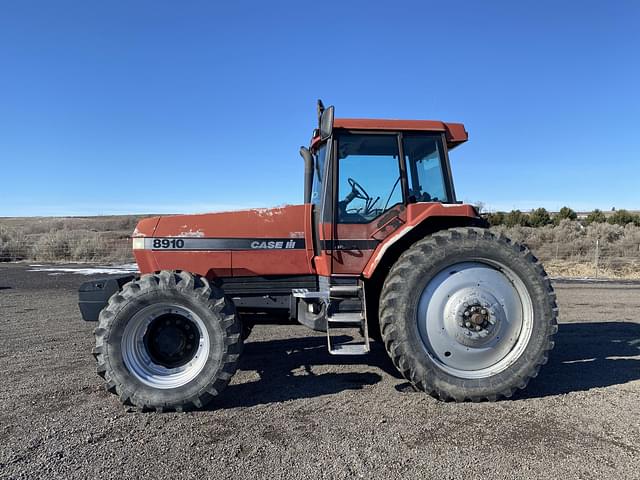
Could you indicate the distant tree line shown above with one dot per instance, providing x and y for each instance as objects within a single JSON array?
[{"x": 541, "y": 217}]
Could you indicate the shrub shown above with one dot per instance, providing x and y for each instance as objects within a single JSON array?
[
  {"x": 539, "y": 217},
  {"x": 13, "y": 245},
  {"x": 120, "y": 252},
  {"x": 595, "y": 217},
  {"x": 55, "y": 245},
  {"x": 515, "y": 218},
  {"x": 90, "y": 247},
  {"x": 565, "y": 213},
  {"x": 624, "y": 217},
  {"x": 495, "y": 218}
]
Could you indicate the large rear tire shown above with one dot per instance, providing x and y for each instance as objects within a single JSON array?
[
  {"x": 168, "y": 341},
  {"x": 468, "y": 316}
]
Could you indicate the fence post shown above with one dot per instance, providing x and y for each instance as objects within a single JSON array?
[{"x": 597, "y": 255}]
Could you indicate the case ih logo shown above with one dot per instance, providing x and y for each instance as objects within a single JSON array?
[{"x": 268, "y": 244}]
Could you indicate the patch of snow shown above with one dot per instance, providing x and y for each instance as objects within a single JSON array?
[{"x": 105, "y": 270}]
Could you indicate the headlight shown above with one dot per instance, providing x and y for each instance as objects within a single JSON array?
[{"x": 138, "y": 243}]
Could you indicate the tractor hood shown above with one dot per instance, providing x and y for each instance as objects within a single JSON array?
[
  {"x": 259, "y": 223},
  {"x": 246, "y": 242}
]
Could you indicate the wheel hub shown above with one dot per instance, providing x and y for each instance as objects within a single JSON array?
[
  {"x": 464, "y": 321},
  {"x": 476, "y": 318},
  {"x": 470, "y": 316},
  {"x": 165, "y": 345},
  {"x": 171, "y": 340}
]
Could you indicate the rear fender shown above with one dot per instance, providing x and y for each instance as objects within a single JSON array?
[{"x": 421, "y": 222}]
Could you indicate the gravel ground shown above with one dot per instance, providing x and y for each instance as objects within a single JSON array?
[{"x": 293, "y": 411}]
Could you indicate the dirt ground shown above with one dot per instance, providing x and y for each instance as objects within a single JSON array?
[{"x": 293, "y": 411}]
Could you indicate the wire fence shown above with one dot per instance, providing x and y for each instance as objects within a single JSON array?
[
  {"x": 571, "y": 249},
  {"x": 66, "y": 246}
]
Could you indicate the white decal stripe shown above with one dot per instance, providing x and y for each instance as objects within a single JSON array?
[{"x": 181, "y": 243}]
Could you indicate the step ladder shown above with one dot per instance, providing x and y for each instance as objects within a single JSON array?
[{"x": 338, "y": 320}]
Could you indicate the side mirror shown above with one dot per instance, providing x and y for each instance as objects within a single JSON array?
[{"x": 326, "y": 123}]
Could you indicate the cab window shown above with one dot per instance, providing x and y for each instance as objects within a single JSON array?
[
  {"x": 368, "y": 176},
  {"x": 318, "y": 175},
  {"x": 424, "y": 157}
]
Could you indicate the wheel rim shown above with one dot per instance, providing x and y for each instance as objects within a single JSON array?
[
  {"x": 475, "y": 319},
  {"x": 165, "y": 346}
]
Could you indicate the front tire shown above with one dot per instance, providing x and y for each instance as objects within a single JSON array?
[
  {"x": 468, "y": 316},
  {"x": 168, "y": 341}
]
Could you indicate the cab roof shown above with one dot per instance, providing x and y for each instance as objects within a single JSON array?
[{"x": 455, "y": 132}]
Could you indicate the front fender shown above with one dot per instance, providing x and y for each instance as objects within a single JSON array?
[{"x": 94, "y": 294}]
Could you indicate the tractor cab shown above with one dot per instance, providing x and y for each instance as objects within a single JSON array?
[
  {"x": 363, "y": 176},
  {"x": 373, "y": 187}
]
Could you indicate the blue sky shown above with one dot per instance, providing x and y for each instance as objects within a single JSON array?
[{"x": 157, "y": 106}]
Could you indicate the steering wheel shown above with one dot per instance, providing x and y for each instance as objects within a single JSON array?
[{"x": 357, "y": 189}]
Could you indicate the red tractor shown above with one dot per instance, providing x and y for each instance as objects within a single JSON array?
[{"x": 380, "y": 246}]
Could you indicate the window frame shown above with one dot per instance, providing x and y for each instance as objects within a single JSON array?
[
  {"x": 330, "y": 210},
  {"x": 448, "y": 176},
  {"x": 336, "y": 173},
  {"x": 445, "y": 166}
]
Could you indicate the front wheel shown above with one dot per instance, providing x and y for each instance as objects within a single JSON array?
[
  {"x": 168, "y": 341},
  {"x": 468, "y": 316}
]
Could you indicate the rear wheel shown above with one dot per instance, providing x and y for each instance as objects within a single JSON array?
[
  {"x": 168, "y": 341},
  {"x": 466, "y": 315}
]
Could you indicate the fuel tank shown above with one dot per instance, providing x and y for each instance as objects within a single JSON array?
[{"x": 254, "y": 242}]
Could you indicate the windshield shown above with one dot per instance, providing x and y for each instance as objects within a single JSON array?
[{"x": 318, "y": 173}]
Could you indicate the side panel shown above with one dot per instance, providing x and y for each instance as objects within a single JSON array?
[
  {"x": 269, "y": 262},
  {"x": 355, "y": 243},
  {"x": 244, "y": 243},
  {"x": 207, "y": 264},
  {"x": 323, "y": 260},
  {"x": 279, "y": 222}
]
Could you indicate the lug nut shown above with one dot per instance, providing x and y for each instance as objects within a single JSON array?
[
  {"x": 478, "y": 328},
  {"x": 467, "y": 324}
]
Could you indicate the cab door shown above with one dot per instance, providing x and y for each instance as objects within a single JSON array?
[{"x": 369, "y": 197}]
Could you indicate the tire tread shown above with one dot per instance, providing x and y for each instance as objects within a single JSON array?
[
  {"x": 188, "y": 284},
  {"x": 423, "y": 251}
]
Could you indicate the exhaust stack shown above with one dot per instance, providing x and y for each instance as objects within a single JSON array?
[{"x": 308, "y": 172}]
